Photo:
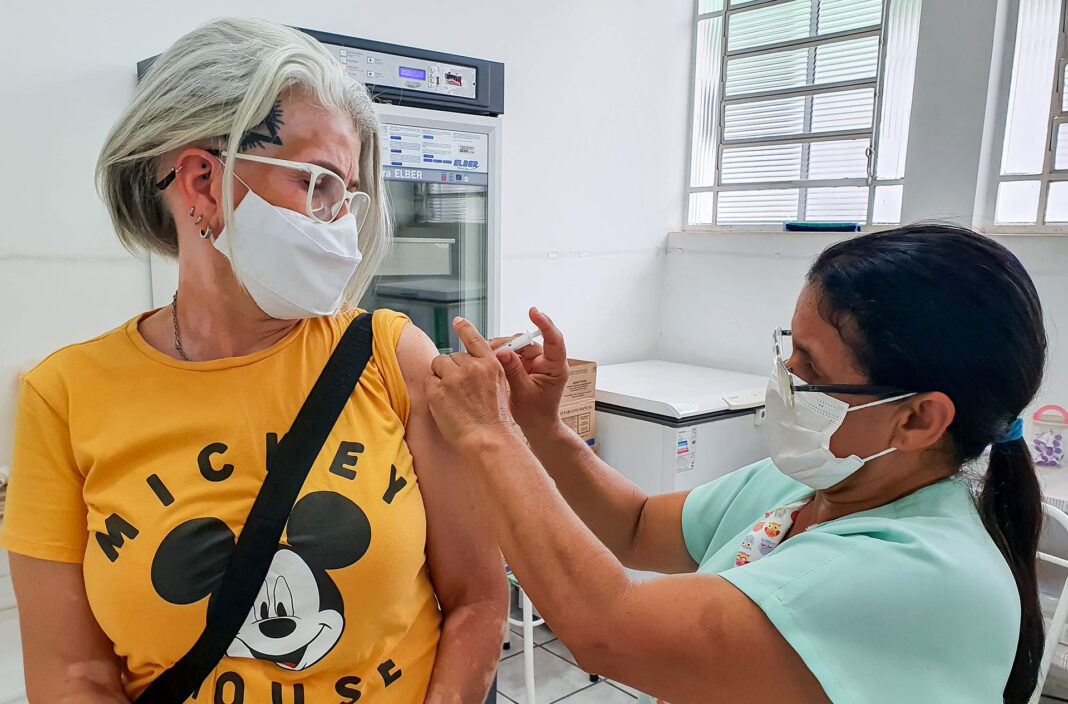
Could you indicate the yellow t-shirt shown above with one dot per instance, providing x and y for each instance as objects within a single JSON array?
[{"x": 143, "y": 468}]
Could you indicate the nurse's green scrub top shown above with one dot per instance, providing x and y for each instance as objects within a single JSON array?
[{"x": 909, "y": 602}]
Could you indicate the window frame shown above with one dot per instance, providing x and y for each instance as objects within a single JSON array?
[
  {"x": 876, "y": 83},
  {"x": 987, "y": 220}
]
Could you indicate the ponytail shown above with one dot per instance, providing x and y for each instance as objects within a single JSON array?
[{"x": 1010, "y": 506}]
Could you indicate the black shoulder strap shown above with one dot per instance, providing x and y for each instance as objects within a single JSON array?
[{"x": 255, "y": 548}]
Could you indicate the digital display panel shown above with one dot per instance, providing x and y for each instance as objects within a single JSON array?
[{"x": 412, "y": 73}]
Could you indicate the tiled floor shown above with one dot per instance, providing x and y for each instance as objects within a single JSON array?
[{"x": 556, "y": 677}]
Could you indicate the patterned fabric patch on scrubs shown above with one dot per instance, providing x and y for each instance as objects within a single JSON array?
[{"x": 768, "y": 532}]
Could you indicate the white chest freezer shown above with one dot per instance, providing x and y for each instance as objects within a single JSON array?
[{"x": 670, "y": 427}]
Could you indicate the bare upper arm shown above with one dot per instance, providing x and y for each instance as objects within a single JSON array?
[
  {"x": 67, "y": 656},
  {"x": 683, "y": 638},
  {"x": 464, "y": 560},
  {"x": 658, "y": 544}
]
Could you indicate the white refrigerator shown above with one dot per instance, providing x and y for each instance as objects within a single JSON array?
[{"x": 444, "y": 256}]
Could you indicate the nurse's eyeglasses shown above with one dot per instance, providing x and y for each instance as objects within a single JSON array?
[
  {"x": 327, "y": 192},
  {"x": 783, "y": 350}
]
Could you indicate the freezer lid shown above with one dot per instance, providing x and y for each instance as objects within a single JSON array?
[{"x": 677, "y": 391}]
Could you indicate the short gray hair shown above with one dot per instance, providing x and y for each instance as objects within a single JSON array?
[{"x": 216, "y": 83}]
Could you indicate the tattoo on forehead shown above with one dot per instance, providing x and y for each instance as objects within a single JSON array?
[{"x": 256, "y": 137}]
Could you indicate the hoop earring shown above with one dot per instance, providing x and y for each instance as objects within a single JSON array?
[{"x": 205, "y": 234}]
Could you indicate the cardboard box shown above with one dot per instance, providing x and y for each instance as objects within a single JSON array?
[
  {"x": 581, "y": 382},
  {"x": 580, "y": 417}
]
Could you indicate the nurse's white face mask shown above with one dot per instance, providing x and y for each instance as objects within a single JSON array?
[
  {"x": 294, "y": 266},
  {"x": 801, "y": 419}
]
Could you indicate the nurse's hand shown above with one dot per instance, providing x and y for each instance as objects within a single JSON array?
[
  {"x": 536, "y": 376},
  {"x": 468, "y": 393}
]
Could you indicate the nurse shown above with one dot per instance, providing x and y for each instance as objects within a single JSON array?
[{"x": 861, "y": 562}]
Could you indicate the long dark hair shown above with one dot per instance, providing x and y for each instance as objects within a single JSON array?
[{"x": 935, "y": 307}]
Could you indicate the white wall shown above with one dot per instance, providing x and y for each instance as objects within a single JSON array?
[
  {"x": 949, "y": 97},
  {"x": 592, "y": 158},
  {"x": 725, "y": 293},
  {"x": 593, "y": 180}
]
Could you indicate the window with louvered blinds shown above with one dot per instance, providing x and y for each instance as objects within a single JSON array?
[{"x": 801, "y": 110}]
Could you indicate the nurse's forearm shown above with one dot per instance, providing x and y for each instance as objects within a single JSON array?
[
  {"x": 568, "y": 573},
  {"x": 606, "y": 501}
]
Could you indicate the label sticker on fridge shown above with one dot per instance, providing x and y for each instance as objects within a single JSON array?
[
  {"x": 686, "y": 449},
  {"x": 444, "y": 150}
]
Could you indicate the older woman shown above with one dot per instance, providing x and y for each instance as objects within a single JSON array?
[
  {"x": 250, "y": 156},
  {"x": 851, "y": 566}
]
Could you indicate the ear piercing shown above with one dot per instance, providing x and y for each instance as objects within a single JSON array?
[{"x": 205, "y": 233}]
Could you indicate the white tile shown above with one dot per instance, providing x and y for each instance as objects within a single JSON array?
[
  {"x": 557, "y": 647},
  {"x": 600, "y": 693},
  {"x": 554, "y": 678},
  {"x": 626, "y": 688}
]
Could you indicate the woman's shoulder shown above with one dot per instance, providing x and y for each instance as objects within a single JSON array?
[
  {"x": 748, "y": 491},
  {"x": 387, "y": 324},
  {"x": 391, "y": 356},
  {"x": 931, "y": 540},
  {"x": 912, "y": 590},
  {"x": 935, "y": 560},
  {"x": 940, "y": 518},
  {"x": 78, "y": 360}
]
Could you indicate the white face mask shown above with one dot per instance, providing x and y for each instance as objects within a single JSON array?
[
  {"x": 294, "y": 266},
  {"x": 800, "y": 437}
]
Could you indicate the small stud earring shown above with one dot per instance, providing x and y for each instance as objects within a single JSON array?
[
  {"x": 191, "y": 212},
  {"x": 197, "y": 221}
]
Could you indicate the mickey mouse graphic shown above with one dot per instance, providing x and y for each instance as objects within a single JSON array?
[{"x": 299, "y": 614}]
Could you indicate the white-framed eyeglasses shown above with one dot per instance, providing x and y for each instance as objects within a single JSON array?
[
  {"x": 327, "y": 194},
  {"x": 783, "y": 349}
]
